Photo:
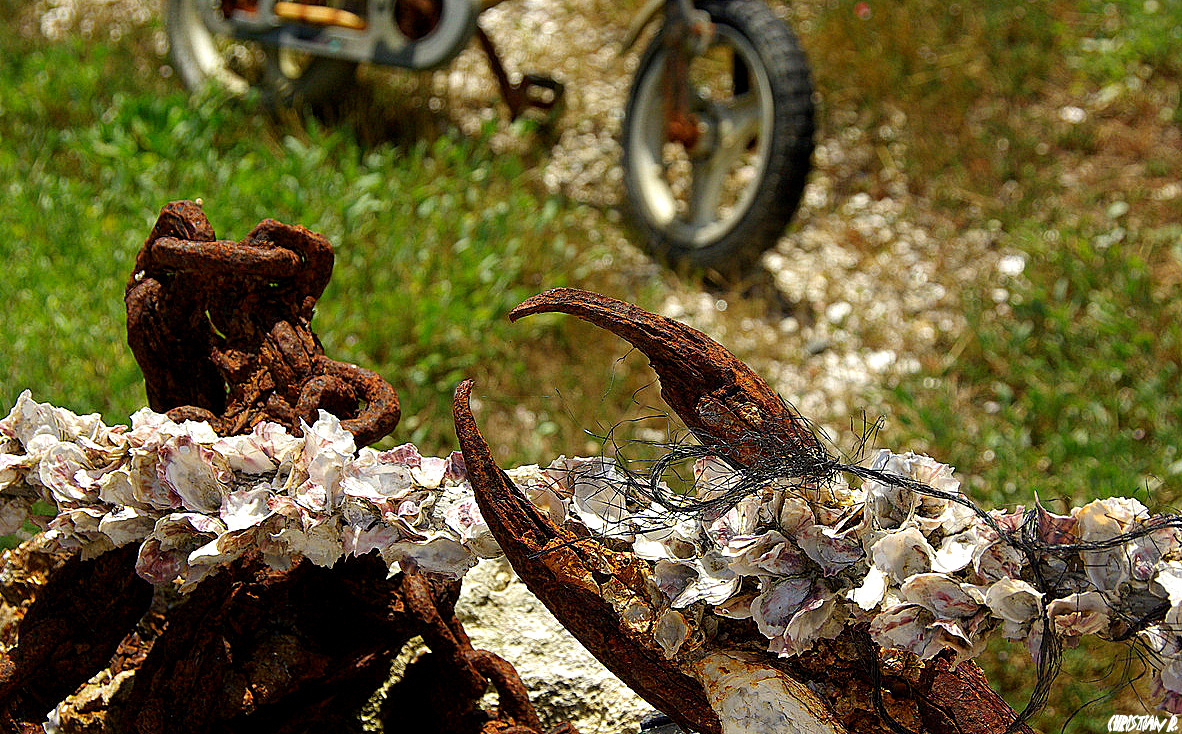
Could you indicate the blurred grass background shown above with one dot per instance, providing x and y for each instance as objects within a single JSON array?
[{"x": 1053, "y": 123}]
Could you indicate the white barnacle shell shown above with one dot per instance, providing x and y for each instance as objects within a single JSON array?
[
  {"x": 1101, "y": 521},
  {"x": 671, "y": 632},
  {"x": 158, "y": 565},
  {"x": 739, "y": 520},
  {"x": 890, "y": 505},
  {"x": 830, "y": 549},
  {"x": 1079, "y": 614},
  {"x": 221, "y": 550},
  {"x": 193, "y": 472},
  {"x": 1171, "y": 675},
  {"x": 1169, "y": 578},
  {"x": 148, "y": 490},
  {"x": 819, "y": 617},
  {"x": 777, "y": 602},
  {"x": 902, "y": 553},
  {"x": 1104, "y": 519},
  {"x": 947, "y": 516},
  {"x": 357, "y": 540},
  {"x": 795, "y": 515},
  {"x": 951, "y": 634},
  {"x": 904, "y": 626},
  {"x": 327, "y": 447},
  {"x": 738, "y": 606},
  {"x": 163, "y": 556},
  {"x": 465, "y": 519},
  {"x": 115, "y": 487},
  {"x": 13, "y": 467},
  {"x": 1145, "y": 553},
  {"x": 125, "y": 525},
  {"x": 430, "y": 472},
  {"x": 1014, "y": 601},
  {"x": 375, "y": 480},
  {"x": 713, "y": 477},
  {"x": 245, "y": 508},
  {"x": 322, "y": 543},
  {"x": 942, "y": 595},
  {"x": 673, "y": 577},
  {"x": 63, "y": 471},
  {"x": 994, "y": 558},
  {"x": 872, "y": 591},
  {"x": 767, "y": 554},
  {"x": 439, "y": 555},
  {"x": 145, "y": 428},
  {"x": 1107, "y": 569},
  {"x": 706, "y": 578},
  {"x": 541, "y": 487},
  {"x": 76, "y": 527},
  {"x": 597, "y": 496},
  {"x": 183, "y": 529},
  {"x": 243, "y": 454},
  {"x": 29, "y": 419},
  {"x": 893, "y": 505},
  {"x": 956, "y": 551}
]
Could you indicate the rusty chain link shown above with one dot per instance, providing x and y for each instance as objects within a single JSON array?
[{"x": 222, "y": 331}]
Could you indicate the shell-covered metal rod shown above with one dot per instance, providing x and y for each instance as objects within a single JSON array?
[
  {"x": 726, "y": 405},
  {"x": 600, "y": 595}
]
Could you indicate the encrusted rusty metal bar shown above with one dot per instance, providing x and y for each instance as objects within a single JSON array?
[
  {"x": 583, "y": 584},
  {"x": 600, "y": 595},
  {"x": 222, "y": 332}
]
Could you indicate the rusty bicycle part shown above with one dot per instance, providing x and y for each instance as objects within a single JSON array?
[
  {"x": 534, "y": 91},
  {"x": 222, "y": 330}
]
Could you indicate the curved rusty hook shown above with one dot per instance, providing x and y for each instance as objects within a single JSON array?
[
  {"x": 726, "y": 405},
  {"x": 601, "y": 596}
]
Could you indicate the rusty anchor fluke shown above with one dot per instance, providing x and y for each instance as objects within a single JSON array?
[
  {"x": 608, "y": 598},
  {"x": 726, "y": 405},
  {"x": 575, "y": 579}
]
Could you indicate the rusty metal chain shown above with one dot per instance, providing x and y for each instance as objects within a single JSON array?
[{"x": 222, "y": 331}]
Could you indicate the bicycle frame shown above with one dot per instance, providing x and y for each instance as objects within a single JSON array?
[{"x": 376, "y": 38}]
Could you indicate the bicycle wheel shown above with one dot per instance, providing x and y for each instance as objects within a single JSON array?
[
  {"x": 724, "y": 200},
  {"x": 204, "y": 51}
]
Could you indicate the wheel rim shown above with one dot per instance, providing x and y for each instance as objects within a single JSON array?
[
  {"x": 231, "y": 62},
  {"x": 698, "y": 196}
]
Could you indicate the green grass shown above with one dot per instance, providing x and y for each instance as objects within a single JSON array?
[
  {"x": 1065, "y": 384},
  {"x": 435, "y": 239},
  {"x": 1070, "y": 386}
]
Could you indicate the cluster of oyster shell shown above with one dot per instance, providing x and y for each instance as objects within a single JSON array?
[{"x": 802, "y": 560}]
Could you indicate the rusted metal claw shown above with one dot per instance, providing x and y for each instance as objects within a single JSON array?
[
  {"x": 602, "y": 596},
  {"x": 607, "y": 598},
  {"x": 727, "y": 406}
]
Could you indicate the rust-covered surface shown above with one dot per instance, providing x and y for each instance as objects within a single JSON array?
[
  {"x": 736, "y": 414},
  {"x": 222, "y": 330},
  {"x": 727, "y": 406},
  {"x": 604, "y": 597}
]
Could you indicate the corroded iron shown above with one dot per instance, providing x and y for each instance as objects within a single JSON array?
[
  {"x": 605, "y": 597},
  {"x": 222, "y": 330}
]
